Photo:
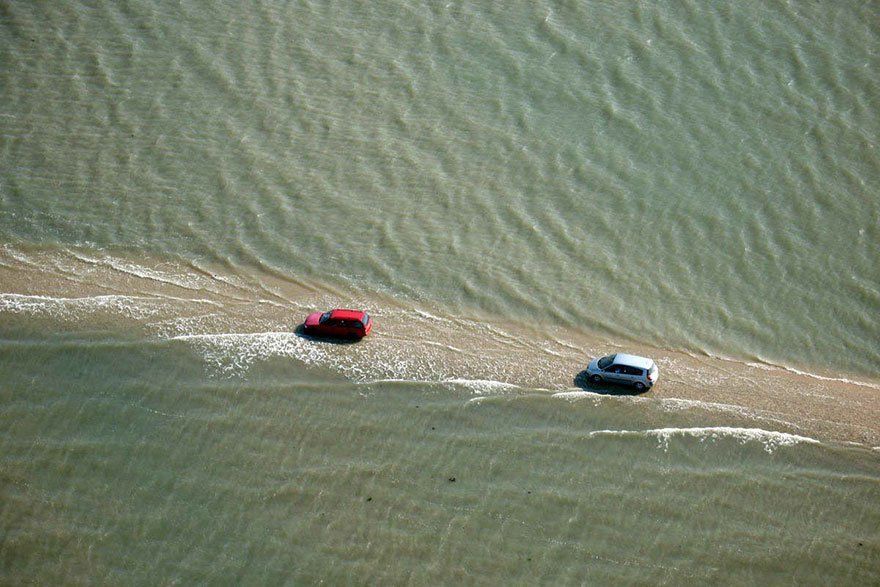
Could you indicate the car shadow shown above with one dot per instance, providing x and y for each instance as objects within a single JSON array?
[
  {"x": 300, "y": 331},
  {"x": 582, "y": 380}
]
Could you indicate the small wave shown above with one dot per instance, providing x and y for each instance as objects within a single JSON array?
[
  {"x": 573, "y": 394},
  {"x": 770, "y": 367},
  {"x": 184, "y": 281},
  {"x": 770, "y": 439},
  {"x": 441, "y": 345},
  {"x": 814, "y": 375},
  {"x": 578, "y": 349},
  {"x": 762, "y": 366},
  {"x": 481, "y": 386},
  {"x": 389, "y": 380},
  {"x": 501, "y": 335},
  {"x": 133, "y": 306},
  {"x": 684, "y": 404},
  {"x": 430, "y": 316},
  {"x": 271, "y": 303},
  {"x": 552, "y": 353},
  {"x": 577, "y": 394},
  {"x": 137, "y": 307},
  {"x": 674, "y": 403}
]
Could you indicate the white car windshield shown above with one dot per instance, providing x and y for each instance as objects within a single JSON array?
[{"x": 605, "y": 361}]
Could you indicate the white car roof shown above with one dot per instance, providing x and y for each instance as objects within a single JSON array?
[{"x": 633, "y": 361}]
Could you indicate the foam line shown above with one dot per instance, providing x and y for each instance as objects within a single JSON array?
[{"x": 770, "y": 439}]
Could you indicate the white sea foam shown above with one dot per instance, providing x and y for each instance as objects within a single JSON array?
[
  {"x": 448, "y": 347},
  {"x": 187, "y": 325},
  {"x": 481, "y": 386},
  {"x": 231, "y": 354},
  {"x": 762, "y": 366},
  {"x": 430, "y": 316},
  {"x": 574, "y": 394},
  {"x": 16, "y": 254},
  {"x": 672, "y": 403},
  {"x": 275, "y": 304},
  {"x": 137, "y": 307},
  {"x": 770, "y": 439},
  {"x": 234, "y": 353}
]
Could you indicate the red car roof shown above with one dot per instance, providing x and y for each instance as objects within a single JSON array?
[{"x": 343, "y": 314}]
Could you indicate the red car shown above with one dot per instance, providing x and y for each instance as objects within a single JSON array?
[{"x": 339, "y": 323}]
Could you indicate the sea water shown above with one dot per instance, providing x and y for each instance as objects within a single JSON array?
[{"x": 509, "y": 190}]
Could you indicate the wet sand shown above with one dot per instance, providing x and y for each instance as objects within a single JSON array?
[{"x": 236, "y": 317}]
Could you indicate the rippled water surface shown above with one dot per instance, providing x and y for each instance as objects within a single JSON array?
[{"x": 509, "y": 191}]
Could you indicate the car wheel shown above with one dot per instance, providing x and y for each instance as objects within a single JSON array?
[
  {"x": 640, "y": 387},
  {"x": 595, "y": 379}
]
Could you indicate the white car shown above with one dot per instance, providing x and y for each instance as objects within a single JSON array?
[{"x": 639, "y": 372}]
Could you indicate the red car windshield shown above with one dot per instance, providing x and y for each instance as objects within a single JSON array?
[{"x": 324, "y": 317}]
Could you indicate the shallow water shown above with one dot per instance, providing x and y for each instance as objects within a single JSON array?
[
  {"x": 123, "y": 462},
  {"x": 508, "y": 192}
]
